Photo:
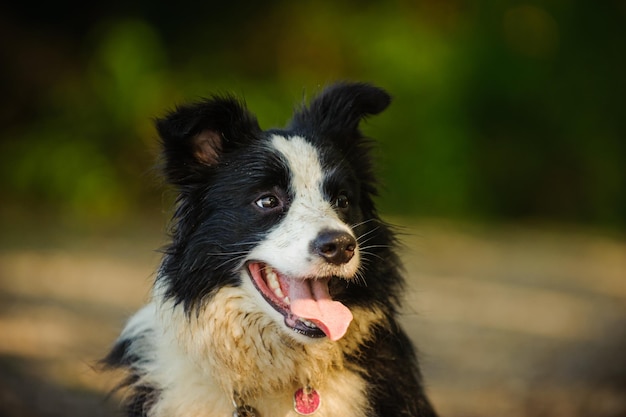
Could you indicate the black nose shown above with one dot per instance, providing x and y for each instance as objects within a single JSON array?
[{"x": 336, "y": 247}]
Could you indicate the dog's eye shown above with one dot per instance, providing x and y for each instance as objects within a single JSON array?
[
  {"x": 342, "y": 201},
  {"x": 268, "y": 202}
]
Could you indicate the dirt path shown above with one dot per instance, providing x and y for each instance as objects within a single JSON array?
[{"x": 509, "y": 322}]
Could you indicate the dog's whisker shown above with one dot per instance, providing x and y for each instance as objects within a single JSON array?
[
  {"x": 365, "y": 238},
  {"x": 359, "y": 278},
  {"x": 235, "y": 260},
  {"x": 370, "y": 231},
  {"x": 376, "y": 246},
  {"x": 354, "y": 225},
  {"x": 365, "y": 241},
  {"x": 365, "y": 255}
]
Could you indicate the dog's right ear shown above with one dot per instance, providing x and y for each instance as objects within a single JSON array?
[{"x": 194, "y": 137}]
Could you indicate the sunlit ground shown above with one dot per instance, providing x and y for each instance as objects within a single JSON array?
[{"x": 510, "y": 321}]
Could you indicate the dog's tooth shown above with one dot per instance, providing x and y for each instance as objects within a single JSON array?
[
  {"x": 272, "y": 283},
  {"x": 287, "y": 300},
  {"x": 272, "y": 279},
  {"x": 279, "y": 293}
]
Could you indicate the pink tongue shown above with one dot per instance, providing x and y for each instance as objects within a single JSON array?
[{"x": 310, "y": 300}]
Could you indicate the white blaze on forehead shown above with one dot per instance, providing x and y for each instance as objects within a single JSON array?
[{"x": 304, "y": 164}]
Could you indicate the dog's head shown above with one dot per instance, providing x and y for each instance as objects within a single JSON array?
[{"x": 285, "y": 214}]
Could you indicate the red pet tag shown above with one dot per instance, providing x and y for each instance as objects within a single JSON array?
[{"x": 306, "y": 401}]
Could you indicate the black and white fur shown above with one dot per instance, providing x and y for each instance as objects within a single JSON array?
[{"x": 298, "y": 200}]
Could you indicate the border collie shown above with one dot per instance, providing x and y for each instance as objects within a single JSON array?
[{"x": 279, "y": 292}]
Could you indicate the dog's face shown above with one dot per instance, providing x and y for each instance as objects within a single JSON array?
[
  {"x": 311, "y": 242},
  {"x": 281, "y": 214}
]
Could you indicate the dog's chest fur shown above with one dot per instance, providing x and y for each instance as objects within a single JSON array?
[{"x": 202, "y": 362}]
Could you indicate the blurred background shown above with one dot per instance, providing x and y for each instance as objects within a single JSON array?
[{"x": 503, "y": 157}]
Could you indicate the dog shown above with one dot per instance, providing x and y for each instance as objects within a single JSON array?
[{"x": 279, "y": 292}]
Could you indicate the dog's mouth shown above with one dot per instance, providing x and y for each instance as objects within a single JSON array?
[{"x": 305, "y": 303}]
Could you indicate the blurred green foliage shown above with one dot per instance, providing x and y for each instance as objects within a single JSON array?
[{"x": 503, "y": 110}]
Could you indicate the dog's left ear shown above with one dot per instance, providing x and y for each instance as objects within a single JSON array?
[
  {"x": 195, "y": 137},
  {"x": 338, "y": 110}
]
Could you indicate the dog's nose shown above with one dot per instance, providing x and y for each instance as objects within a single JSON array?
[{"x": 336, "y": 247}]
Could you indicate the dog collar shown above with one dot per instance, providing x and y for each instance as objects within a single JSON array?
[{"x": 306, "y": 402}]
